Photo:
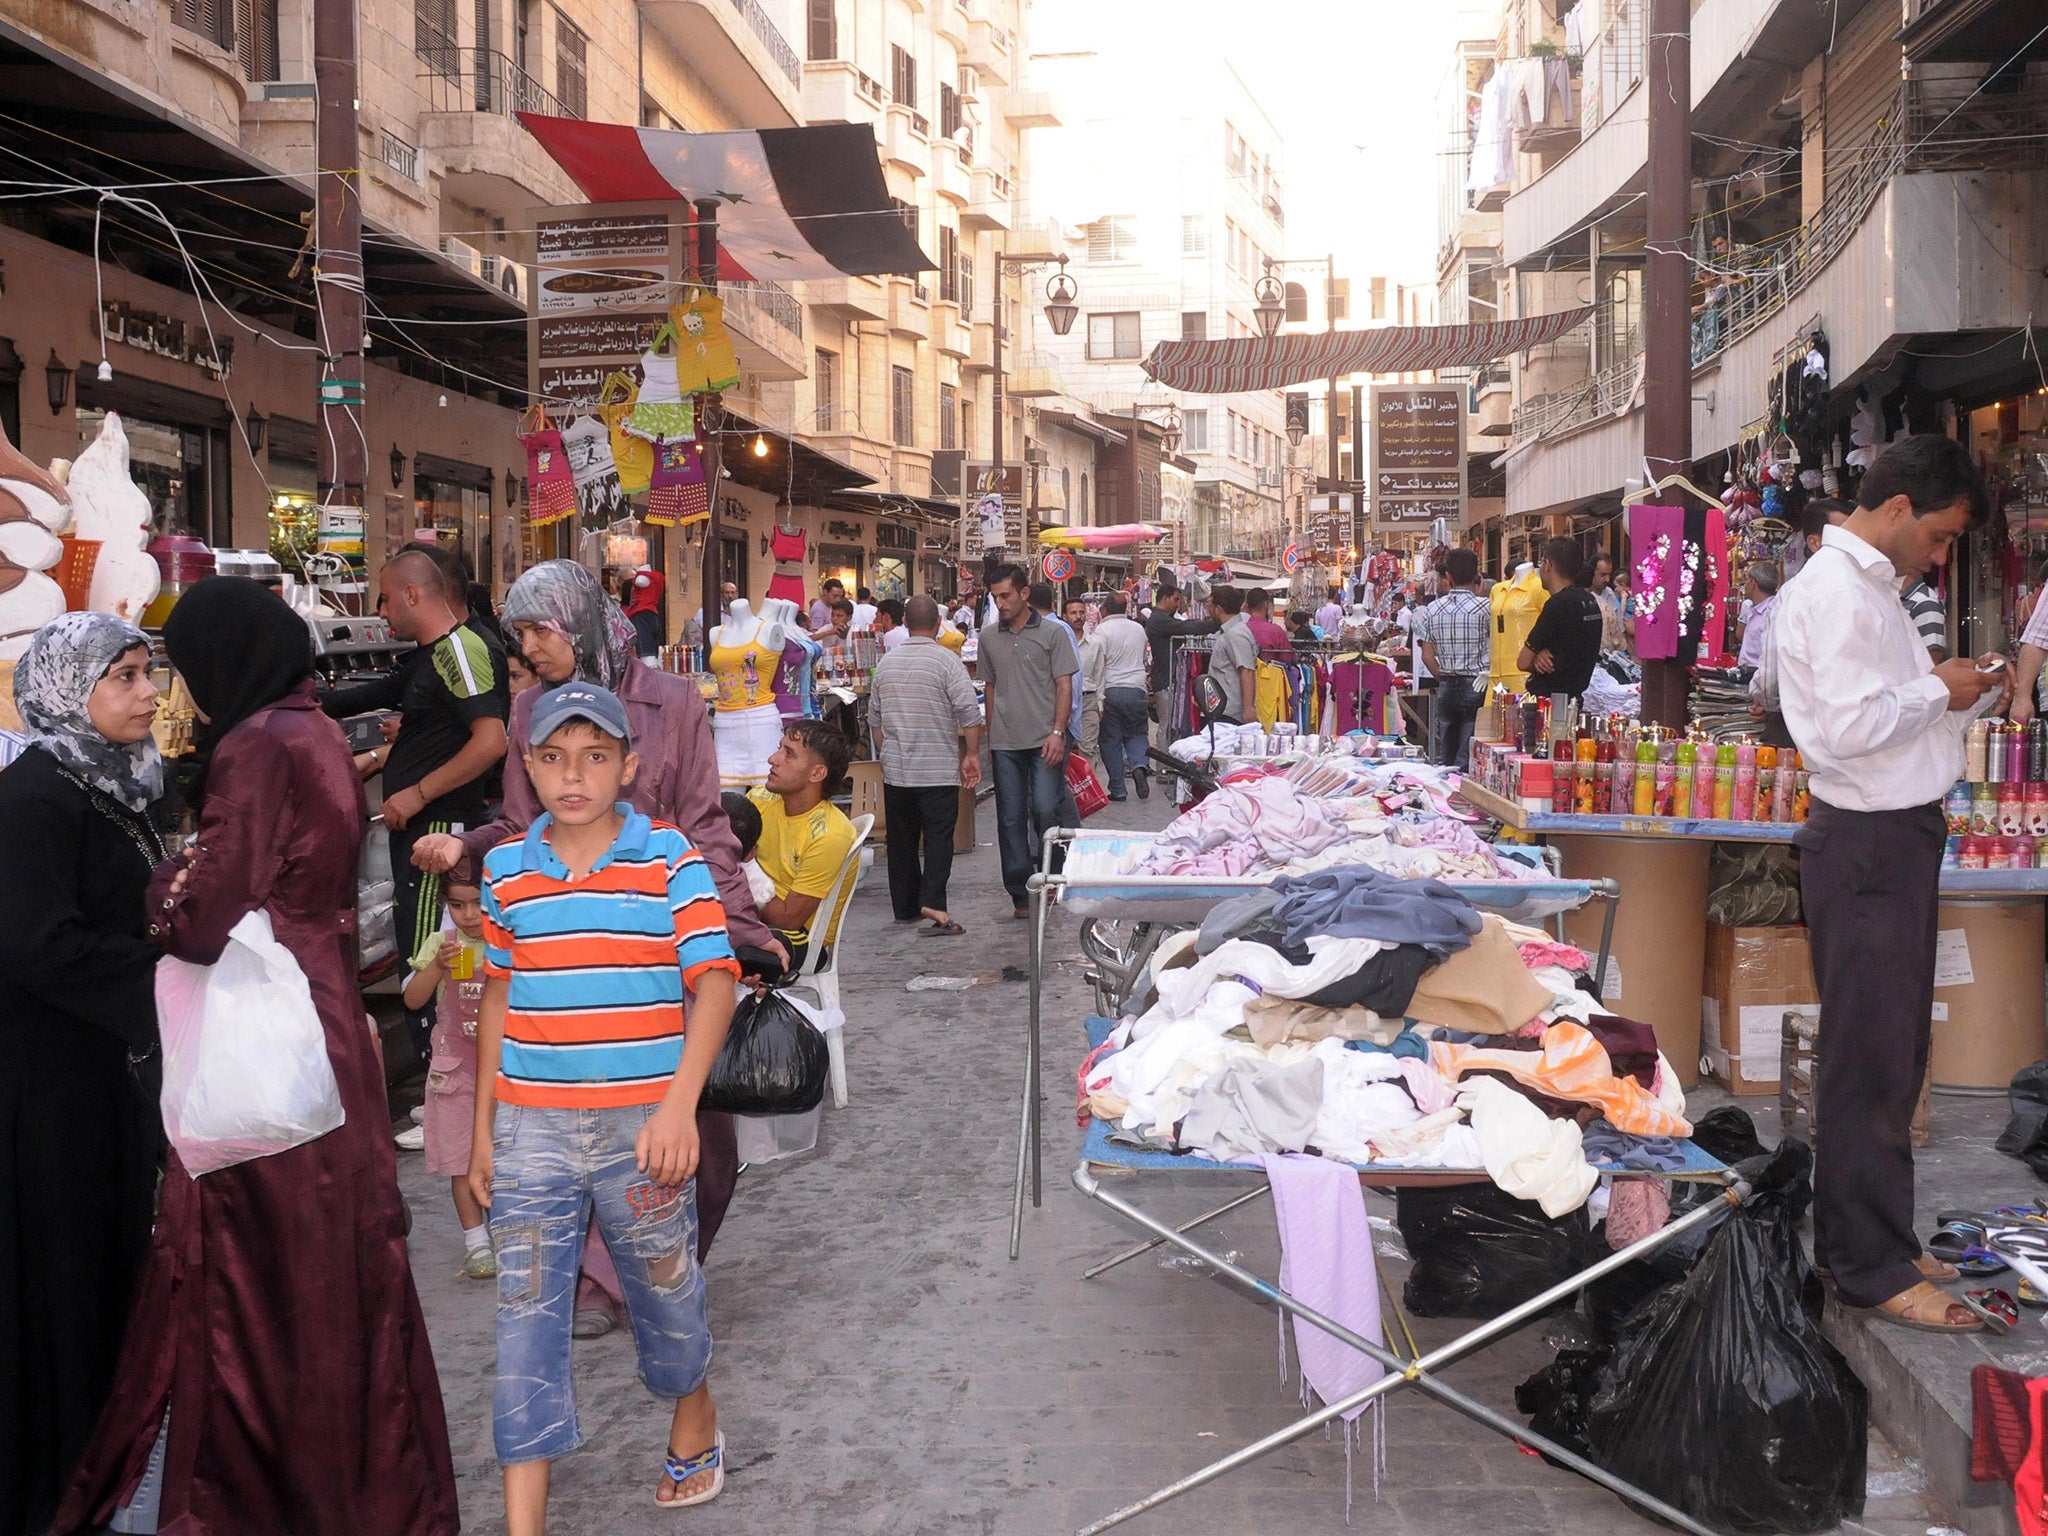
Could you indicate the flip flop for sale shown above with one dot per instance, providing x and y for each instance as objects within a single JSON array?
[
  {"x": 2026, "y": 1249},
  {"x": 1964, "y": 1244},
  {"x": 1996, "y": 1309}
]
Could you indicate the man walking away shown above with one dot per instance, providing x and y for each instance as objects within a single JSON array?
[
  {"x": 1454, "y": 635},
  {"x": 1027, "y": 664},
  {"x": 1090, "y": 678},
  {"x": 927, "y": 729},
  {"x": 1613, "y": 634},
  {"x": 1330, "y": 617},
  {"x": 1164, "y": 625},
  {"x": 1234, "y": 658},
  {"x": 1122, "y": 642},
  {"x": 1564, "y": 643},
  {"x": 1881, "y": 728},
  {"x": 452, "y": 705}
]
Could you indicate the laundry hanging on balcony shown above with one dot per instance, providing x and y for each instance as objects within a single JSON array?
[
  {"x": 794, "y": 203},
  {"x": 1241, "y": 364}
]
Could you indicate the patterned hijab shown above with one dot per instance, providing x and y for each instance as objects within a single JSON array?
[
  {"x": 53, "y": 682},
  {"x": 561, "y": 595}
]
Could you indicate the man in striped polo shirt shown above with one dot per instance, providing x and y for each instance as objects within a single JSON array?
[{"x": 596, "y": 923}]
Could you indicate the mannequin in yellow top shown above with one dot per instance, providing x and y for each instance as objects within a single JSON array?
[
  {"x": 745, "y": 651},
  {"x": 1515, "y": 603}
]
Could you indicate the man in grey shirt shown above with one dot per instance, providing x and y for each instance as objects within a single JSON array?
[
  {"x": 927, "y": 729},
  {"x": 1121, "y": 641},
  {"x": 1234, "y": 658},
  {"x": 1027, "y": 665}
]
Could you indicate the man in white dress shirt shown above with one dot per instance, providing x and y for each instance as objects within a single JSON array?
[{"x": 1881, "y": 728}]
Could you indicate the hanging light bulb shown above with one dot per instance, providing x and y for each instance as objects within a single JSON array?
[{"x": 760, "y": 446}]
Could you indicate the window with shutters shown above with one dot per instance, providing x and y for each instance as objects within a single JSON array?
[
  {"x": 572, "y": 73},
  {"x": 967, "y": 425},
  {"x": 825, "y": 388},
  {"x": 902, "y": 76},
  {"x": 1194, "y": 235},
  {"x": 824, "y": 29},
  {"x": 256, "y": 38},
  {"x": 434, "y": 36},
  {"x": 907, "y": 212},
  {"x": 949, "y": 111},
  {"x": 903, "y": 407},
  {"x": 209, "y": 18},
  {"x": 967, "y": 282},
  {"x": 949, "y": 418},
  {"x": 1194, "y": 325},
  {"x": 1114, "y": 238},
  {"x": 1194, "y": 431},
  {"x": 949, "y": 265},
  {"x": 1113, "y": 335}
]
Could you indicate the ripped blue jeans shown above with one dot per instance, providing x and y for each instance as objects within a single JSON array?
[{"x": 551, "y": 1168}]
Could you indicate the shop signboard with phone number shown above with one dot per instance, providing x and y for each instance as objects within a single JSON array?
[{"x": 1418, "y": 456}]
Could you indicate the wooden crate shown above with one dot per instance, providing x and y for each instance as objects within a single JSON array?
[{"x": 866, "y": 780}]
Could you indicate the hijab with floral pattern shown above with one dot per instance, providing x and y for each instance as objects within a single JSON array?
[
  {"x": 53, "y": 683},
  {"x": 561, "y": 595}
]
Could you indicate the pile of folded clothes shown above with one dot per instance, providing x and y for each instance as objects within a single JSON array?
[{"x": 1386, "y": 1022}]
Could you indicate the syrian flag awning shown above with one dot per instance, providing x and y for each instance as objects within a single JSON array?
[
  {"x": 1240, "y": 364},
  {"x": 795, "y": 203}
]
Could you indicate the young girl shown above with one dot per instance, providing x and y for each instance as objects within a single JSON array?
[{"x": 450, "y": 964}]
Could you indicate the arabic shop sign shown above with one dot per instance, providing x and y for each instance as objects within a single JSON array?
[
  {"x": 604, "y": 276},
  {"x": 1418, "y": 456},
  {"x": 166, "y": 336}
]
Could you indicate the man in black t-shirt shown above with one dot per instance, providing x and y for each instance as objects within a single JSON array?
[{"x": 1564, "y": 645}]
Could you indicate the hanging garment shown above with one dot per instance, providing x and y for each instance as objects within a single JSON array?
[
  {"x": 588, "y": 442},
  {"x": 793, "y": 692},
  {"x": 1269, "y": 693},
  {"x": 1656, "y": 538},
  {"x": 634, "y": 456},
  {"x": 745, "y": 673},
  {"x": 661, "y": 409},
  {"x": 550, "y": 487},
  {"x": 678, "y": 495},
  {"x": 1327, "y": 1263},
  {"x": 1557, "y": 93},
  {"x": 1492, "y": 157},
  {"x": 704, "y": 355},
  {"x": 1515, "y": 604},
  {"x": 1361, "y": 693},
  {"x": 787, "y": 545},
  {"x": 745, "y": 739}
]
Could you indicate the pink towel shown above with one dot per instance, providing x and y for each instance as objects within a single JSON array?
[{"x": 1326, "y": 1263}]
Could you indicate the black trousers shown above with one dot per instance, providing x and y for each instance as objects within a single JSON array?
[
  {"x": 1870, "y": 882},
  {"x": 921, "y": 823},
  {"x": 415, "y": 916}
]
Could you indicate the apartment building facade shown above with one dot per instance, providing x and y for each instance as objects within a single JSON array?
[{"x": 1864, "y": 192}]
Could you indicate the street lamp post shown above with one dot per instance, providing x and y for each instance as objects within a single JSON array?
[
  {"x": 1270, "y": 315},
  {"x": 1060, "y": 310}
]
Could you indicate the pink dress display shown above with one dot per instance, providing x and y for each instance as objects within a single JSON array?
[{"x": 787, "y": 545}]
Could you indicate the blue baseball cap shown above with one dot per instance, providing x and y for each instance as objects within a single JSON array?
[{"x": 578, "y": 701}]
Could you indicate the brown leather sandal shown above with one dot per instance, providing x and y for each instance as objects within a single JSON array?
[
  {"x": 1927, "y": 1310},
  {"x": 1940, "y": 1271}
]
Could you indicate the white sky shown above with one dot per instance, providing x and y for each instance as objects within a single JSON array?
[{"x": 1351, "y": 85}]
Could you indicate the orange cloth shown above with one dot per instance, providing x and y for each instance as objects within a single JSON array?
[{"x": 1572, "y": 1065}]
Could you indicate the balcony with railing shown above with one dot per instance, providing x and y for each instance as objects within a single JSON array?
[
  {"x": 766, "y": 322},
  {"x": 467, "y": 100},
  {"x": 740, "y": 52},
  {"x": 990, "y": 199},
  {"x": 838, "y": 91}
]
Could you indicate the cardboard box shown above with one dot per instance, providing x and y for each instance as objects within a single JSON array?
[{"x": 1753, "y": 975}]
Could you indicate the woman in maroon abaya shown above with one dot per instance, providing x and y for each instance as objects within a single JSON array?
[{"x": 276, "y": 1319}]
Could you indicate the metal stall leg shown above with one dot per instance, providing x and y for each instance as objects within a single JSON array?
[{"x": 1028, "y": 1130}]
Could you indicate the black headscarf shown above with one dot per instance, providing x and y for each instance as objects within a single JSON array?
[{"x": 239, "y": 646}]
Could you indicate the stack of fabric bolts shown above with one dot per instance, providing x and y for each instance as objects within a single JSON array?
[
  {"x": 1385, "y": 1022},
  {"x": 1998, "y": 810}
]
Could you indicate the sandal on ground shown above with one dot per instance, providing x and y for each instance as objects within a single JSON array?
[
  {"x": 1926, "y": 1310},
  {"x": 947, "y": 930},
  {"x": 680, "y": 1469},
  {"x": 1962, "y": 1243},
  {"x": 1999, "y": 1312}
]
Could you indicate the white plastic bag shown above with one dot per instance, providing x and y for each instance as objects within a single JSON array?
[{"x": 246, "y": 1072}]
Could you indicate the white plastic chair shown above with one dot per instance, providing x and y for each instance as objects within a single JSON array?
[{"x": 819, "y": 974}]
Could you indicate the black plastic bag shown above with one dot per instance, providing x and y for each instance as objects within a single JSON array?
[
  {"x": 1723, "y": 1399},
  {"x": 1556, "y": 1397},
  {"x": 774, "y": 1061},
  {"x": 2026, "y": 1134},
  {"x": 1479, "y": 1251}
]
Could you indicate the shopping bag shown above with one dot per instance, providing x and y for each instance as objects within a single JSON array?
[
  {"x": 774, "y": 1060},
  {"x": 588, "y": 442},
  {"x": 704, "y": 355},
  {"x": 550, "y": 487},
  {"x": 1089, "y": 795},
  {"x": 246, "y": 1072},
  {"x": 679, "y": 493},
  {"x": 633, "y": 456}
]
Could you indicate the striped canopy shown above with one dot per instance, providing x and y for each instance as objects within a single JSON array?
[{"x": 1240, "y": 364}]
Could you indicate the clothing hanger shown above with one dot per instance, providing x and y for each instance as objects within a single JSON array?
[{"x": 1634, "y": 498}]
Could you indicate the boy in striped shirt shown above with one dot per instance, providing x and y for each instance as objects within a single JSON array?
[{"x": 596, "y": 922}]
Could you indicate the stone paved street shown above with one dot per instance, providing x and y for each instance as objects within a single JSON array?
[{"x": 882, "y": 1366}]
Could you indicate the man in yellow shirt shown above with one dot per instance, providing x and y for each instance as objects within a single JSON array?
[{"x": 805, "y": 838}]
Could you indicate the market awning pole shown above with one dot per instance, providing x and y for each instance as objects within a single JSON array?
[
  {"x": 338, "y": 269},
  {"x": 710, "y": 432},
  {"x": 1667, "y": 295}
]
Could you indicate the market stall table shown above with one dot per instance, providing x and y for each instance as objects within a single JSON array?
[{"x": 1099, "y": 1151}]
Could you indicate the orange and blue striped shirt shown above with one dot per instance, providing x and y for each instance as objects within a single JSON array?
[{"x": 598, "y": 966}]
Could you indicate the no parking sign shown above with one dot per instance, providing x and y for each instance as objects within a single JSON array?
[
  {"x": 1290, "y": 559},
  {"x": 1058, "y": 565}
]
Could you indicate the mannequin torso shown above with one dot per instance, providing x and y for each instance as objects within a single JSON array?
[{"x": 745, "y": 651}]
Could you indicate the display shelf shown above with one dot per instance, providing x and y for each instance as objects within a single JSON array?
[{"x": 1507, "y": 812}]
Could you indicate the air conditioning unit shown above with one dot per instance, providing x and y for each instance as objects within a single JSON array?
[
  {"x": 970, "y": 85},
  {"x": 504, "y": 274},
  {"x": 463, "y": 254},
  {"x": 1036, "y": 456}
]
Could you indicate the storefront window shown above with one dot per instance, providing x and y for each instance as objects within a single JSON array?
[
  {"x": 892, "y": 576},
  {"x": 458, "y": 515},
  {"x": 293, "y": 521},
  {"x": 846, "y": 563}
]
